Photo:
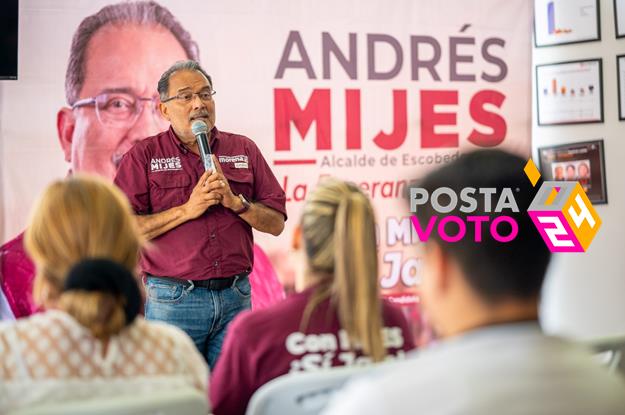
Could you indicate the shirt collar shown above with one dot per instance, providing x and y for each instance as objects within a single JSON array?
[{"x": 498, "y": 329}]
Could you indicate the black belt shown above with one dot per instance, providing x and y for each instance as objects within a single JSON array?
[{"x": 211, "y": 283}]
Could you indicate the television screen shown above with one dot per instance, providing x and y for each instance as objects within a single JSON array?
[{"x": 8, "y": 39}]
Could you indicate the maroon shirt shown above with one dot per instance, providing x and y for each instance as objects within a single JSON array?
[
  {"x": 264, "y": 344},
  {"x": 159, "y": 173}
]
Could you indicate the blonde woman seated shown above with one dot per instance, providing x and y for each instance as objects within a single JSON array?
[
  {"x": 337, "y": 320},
  {"x": 91, "y": 342}
]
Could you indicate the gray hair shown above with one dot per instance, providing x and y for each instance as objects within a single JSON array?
[
  {"x": 189, "y": 65},
  {"x": 140, "y": 12}
]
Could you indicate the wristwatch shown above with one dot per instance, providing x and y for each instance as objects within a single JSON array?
[{"x": 246, "y": 205}]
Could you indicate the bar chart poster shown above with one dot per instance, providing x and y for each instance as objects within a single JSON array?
[
  {"x": 569, "y": 92},
  {"x": 619, "y": 17},
  {"x": 559, "y": 22}
]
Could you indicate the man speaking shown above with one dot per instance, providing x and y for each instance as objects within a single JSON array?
[{"x": 199, "y": 222}]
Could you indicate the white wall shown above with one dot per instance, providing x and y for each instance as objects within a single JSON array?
[{"x": 584, "y": 293}]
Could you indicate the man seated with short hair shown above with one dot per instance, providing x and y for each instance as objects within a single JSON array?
[{"x": 482, "y": 298}]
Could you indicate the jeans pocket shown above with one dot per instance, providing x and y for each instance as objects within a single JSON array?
[
  {"x": 242, "y": 287},
  {"x": 166, "y": 293}
]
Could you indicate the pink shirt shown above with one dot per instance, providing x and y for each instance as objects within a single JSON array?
[
  {"x": 264, "y": 344},
  {"x": 266, "y": 287},
  {"x": 159, "y": 173},
  {"x": 16, "y": 276}
]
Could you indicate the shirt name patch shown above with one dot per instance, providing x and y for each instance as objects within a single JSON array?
[
  {"x": 165, "y": 164},
  {"x": 240, "y": 161}
]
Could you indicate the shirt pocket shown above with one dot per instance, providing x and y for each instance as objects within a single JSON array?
[
  {"x": 241, "y": 181},
  {"x": 169, "y": 190}
]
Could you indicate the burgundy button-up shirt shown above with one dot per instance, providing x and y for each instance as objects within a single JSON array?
[{"x": 159, "y": 173}]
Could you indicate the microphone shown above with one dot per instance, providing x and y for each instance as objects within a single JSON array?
[{"x": 200, "y": 131}]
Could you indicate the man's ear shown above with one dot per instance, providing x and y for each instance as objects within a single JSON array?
[
  {"x": 164, "y": 110},
  {"x": 65, "y": 123}
]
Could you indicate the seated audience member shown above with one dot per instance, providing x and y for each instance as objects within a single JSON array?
[
  {"x": 91, "y": 342},
  {"x": 338, "y": 309},
  {"x": 482, "y": 298}
]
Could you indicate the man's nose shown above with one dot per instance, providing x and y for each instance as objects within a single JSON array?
[{"x": 197, "y": 102}]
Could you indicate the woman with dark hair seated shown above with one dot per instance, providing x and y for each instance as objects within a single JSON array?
[{"x": 91, "y": 342}]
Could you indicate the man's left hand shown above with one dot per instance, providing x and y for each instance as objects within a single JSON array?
[{"x": 229, "y": 199}]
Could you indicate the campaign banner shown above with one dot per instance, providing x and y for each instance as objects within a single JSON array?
[{"x": 373, "y": 92}]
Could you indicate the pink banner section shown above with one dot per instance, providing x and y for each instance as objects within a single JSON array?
[{"x": 379, "y": 102}]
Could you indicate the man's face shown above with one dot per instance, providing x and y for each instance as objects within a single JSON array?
[
  {"x": 182, "y": 114},
  {"x": 119, "y": 58}
]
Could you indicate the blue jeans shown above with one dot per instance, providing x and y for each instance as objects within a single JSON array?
[{"x": 202, "y": 313}]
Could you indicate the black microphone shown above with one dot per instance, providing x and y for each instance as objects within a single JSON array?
[{"x": 200, "y": 131}]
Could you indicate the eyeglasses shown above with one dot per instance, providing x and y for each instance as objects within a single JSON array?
[
  {"x": 120, "y": 109},
  {"x": 186, "y": 97}
]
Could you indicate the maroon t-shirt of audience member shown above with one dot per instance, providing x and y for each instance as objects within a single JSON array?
[
  {"x": 159, "y": 173},
  {"x": 264, "y": 344}
]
